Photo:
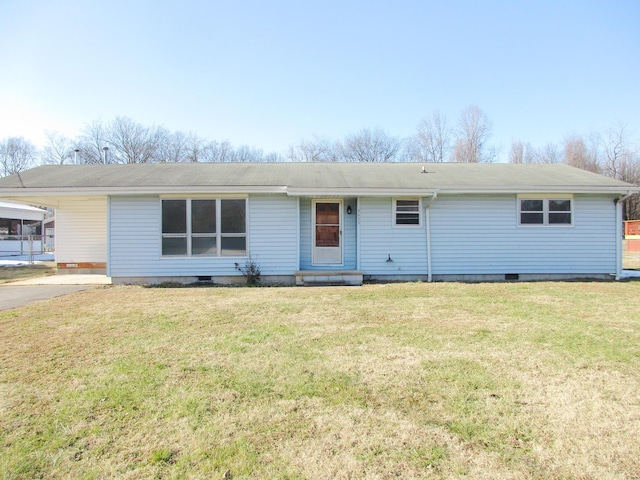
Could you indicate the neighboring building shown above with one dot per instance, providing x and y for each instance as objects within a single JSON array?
[
  {"x": 17, "y": 223},
  {"x": 330, "y": 222}
]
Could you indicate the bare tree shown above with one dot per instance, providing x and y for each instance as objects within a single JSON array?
[
  {"x": 319, "y": 150},
  {"x": 370, "y": 146},
  {"x": 524, "y": 153},
  {"x": 17, "y": 155},
  {"x": 618, "y": 157},
  {"x": 59, "y": 149},
  {"x": 577, "y": 154},
  {"x": 516, "y": 154},
  {"x": 195, "y": 149},
  {"x": 92, "y": 141},
  {"x": 473, "y": 133},
  {"x": 219, "y": 151},
  {"x": 245, "y": 154},
  {"x": 549, "y": 154},
  {"x": 173, "y": 147},
  {"x": 272, "y": 157},
  {"x": 132, "y": 142},
  {"x": 432, "y": 141},
  {"x": 621, "y": 160}
]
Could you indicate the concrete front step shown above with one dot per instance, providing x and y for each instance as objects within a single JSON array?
[{"x": 328, "y": 277}]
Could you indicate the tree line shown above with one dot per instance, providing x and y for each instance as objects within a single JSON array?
[
  {"x": 123, "y": 140},
  {"x": 436, "y": 139}
]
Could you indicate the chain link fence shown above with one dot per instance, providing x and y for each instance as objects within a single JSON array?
[{"x": 26, "y": 245}]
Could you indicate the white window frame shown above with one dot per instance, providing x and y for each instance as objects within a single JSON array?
[
  {"x": 218, "y": 234},
  {"x": 545, "y": 209},
  {"x": 394, "y": 215}
]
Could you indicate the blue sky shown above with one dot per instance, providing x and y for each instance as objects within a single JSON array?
[{"x": 270, "y": 74}]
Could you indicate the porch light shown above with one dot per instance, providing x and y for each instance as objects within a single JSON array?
[{"x": 349, "y": 210}]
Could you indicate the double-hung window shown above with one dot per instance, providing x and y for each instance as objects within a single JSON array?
[
  {"x": 196, "y": 227},
  {"x": 545, "y": 211},
  {"x": 406, "y": 212}
]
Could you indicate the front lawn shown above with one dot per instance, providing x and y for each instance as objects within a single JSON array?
[{"x": 495, "y": 381}]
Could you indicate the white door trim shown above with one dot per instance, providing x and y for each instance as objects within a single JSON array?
[{"x": 327, "y": 255}]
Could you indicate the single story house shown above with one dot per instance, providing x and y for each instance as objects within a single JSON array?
[{"x": 330, "y": 222}]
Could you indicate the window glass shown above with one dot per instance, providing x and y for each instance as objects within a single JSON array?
[
  {"x": 233, "y": 216},
  {"x": 407, "y": 212},
  {"x": 174, "y": 246},
  {"x": 174, "y": 216},
  {"x": 203, "y": 216},
  {"x": 531, "y": 205},
  {"x": 559, "y": 205},
  {"x": 204, "y": 246},
  {"x": 545, "y": 212},
  {"x": 327, "y": 236},
  {"x": 532, "y": 218},
  {"x": 327, "y": 213},
  {"x": 559, "y": 218},
  {"x": 231, "y": 246},
  {"x": 201, "y": 232}
]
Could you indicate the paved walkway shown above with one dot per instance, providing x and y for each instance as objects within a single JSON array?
[
  {"x": 14, "y": 296},
  {"x": 23, "y": 292},
  {"x": 69, "y": 279}
]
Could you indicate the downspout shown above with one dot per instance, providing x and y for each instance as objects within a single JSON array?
[
  {"x": 618, "y": 202},
  {"x": 428, "y": 225},
  {"x": 298, "y": 238},
  {"x": 358, "y": 239},
  {"x": 108, "y": 269}
]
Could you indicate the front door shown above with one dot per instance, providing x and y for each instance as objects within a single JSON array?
[{"x": 327, "y": 232}]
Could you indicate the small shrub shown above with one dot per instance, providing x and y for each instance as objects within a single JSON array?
[{"x": 251, "y": 271}]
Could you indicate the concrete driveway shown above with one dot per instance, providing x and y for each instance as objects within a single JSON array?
[
  {"x": 23, "y": 292},
  {"x": 14, "y": 296}
]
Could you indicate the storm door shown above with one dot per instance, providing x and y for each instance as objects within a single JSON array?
[{"x": 327, "y": 232}]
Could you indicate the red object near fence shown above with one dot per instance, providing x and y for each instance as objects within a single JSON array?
[{"x": 632, "y": 227}]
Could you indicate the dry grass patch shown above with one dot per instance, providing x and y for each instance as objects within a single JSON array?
[
  {"x": 496, "y": 381},
  {"x": 22, "y": 272}
]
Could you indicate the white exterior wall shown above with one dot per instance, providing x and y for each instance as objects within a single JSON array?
[
  {"x": 135, "y": 240},
  {"x": 480, "y": 235},
  {"x": 380, "y": 238},
  {"x": 81, "y": 230}
]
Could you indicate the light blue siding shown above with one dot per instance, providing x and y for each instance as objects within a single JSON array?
[
  {"x": 480, "y": 235},
  {"x": 349, "y": 233},
  {"x": 380, "y": 238},
  {"x": 135, "y": 240},
  {"x": 470, "y": 234},
  {"x": 273, "y": 234}
]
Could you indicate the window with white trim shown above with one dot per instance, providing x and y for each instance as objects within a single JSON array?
[
  {"x": 545, "y": 211},
  {"x": 406, "y": 212},
  {"x": 197, "y": 227}
]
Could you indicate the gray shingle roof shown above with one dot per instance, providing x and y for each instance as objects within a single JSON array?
[{"x": 314, "y": 177}]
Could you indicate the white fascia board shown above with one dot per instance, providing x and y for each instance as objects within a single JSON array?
[
  {"x": 359, "y": 192},
  {"x": 567, "y": 189},
  {"x": 458, "y": 190},
  {"x": 104, "y": 191}
]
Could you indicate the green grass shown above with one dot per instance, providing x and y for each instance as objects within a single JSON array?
[{"x": 510, "y": 380}]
